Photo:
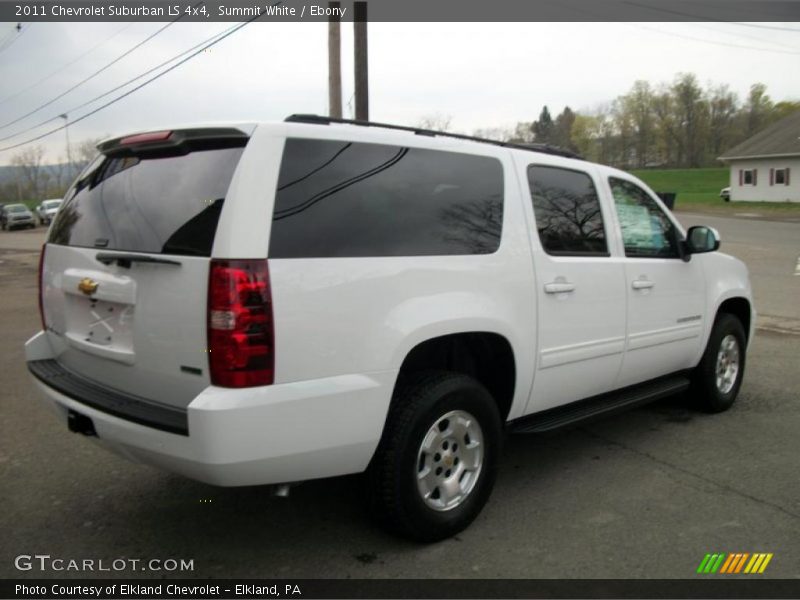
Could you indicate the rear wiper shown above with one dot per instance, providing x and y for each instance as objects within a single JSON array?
[{"x": 125, "y": 260}]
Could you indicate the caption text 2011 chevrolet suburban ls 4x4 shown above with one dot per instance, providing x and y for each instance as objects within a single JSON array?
[{"x": 263, "y": 304}]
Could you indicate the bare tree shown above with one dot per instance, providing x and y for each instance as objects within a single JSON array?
[
  {"x": 692, "y": 114},
  {"x": 30, "y": 175},
  {"x": 85, "y": 151},
  {"x": 436, "y": 121},
  {"x": 636, "y": 111},
  {"x": 722, "y": 107},
  {"x": 757, "y": 109},
  {"x": 501, "y": 134}
]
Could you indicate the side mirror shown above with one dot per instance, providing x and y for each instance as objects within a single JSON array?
[{"x": 700, "y": 239}]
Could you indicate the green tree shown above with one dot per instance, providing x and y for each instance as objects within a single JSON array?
[
  {"x": 722, "y": 109},
  {"x": 639, "y": 122},
  {"x": 691, "y": 113},
  {"x": 543, "y": 128},
  {"x": 562, "y": 130},
  {"x": 585, "y": 133},
  {"x": 757, "y": 109}
]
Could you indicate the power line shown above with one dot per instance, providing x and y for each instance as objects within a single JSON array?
[
  {"x": 696, "y": 17},
  {"x": 750, "y": 37},
  {"x": 140, "y": 86},
  {"x": 717, "y": 43},
  {"x": 14, "y": 31},
  {"x": 10, "y": 40},
  {"x": 92, "y": 76},
  {"x": 759, "y": 26},
  {"x": 116, "y": 88},
  {"x": 64, "y": 66}
]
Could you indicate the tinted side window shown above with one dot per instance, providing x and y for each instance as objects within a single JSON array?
[
  {"x": 567, "y": 211},
  {"x": 337, "y": 199},
  {"x": 167, "y": 205},
  {"x": 646, "y": 231}
]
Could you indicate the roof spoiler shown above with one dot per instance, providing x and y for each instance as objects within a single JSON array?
[{"x": 176, "y": 141}]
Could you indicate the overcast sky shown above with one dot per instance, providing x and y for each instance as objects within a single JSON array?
[{"x": 480, "y": 74}]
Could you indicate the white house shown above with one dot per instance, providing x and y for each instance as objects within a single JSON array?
[{"x": 766, "y": 167}]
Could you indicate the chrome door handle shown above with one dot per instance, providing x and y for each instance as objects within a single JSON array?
[
  {"x": 642, "y": 284},
  {"x": 559, "y": 287}
]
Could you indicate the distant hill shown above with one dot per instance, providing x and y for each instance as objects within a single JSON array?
[{"x": 9, "y": 173}]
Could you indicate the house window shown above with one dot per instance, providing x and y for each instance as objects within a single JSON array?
[
  {"x": 781, "y": 177},
  {"x": 749, "y": 177}
]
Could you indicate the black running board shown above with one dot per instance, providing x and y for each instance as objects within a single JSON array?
[{"x": 600, "y": 406}]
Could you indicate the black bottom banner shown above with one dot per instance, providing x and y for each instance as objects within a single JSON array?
[{"x": 74, "y": 589}]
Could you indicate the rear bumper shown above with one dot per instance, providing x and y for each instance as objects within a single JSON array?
[{"x": 272, "y": 434}]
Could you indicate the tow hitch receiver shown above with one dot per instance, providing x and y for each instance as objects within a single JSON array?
[{"x": 79, "y": 423}]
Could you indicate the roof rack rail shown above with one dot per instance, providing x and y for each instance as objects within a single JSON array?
[{"x": 531, "y": 147}]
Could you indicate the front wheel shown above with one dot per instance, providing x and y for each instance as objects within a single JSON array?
[
  {"x": 436, "y": 463},
  {"x": 718, "y": 377}
]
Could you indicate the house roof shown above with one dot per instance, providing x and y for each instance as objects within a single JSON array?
[{"x": 782, "y": 138}]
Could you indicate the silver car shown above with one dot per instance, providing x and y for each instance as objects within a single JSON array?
[
  {"x": 47, "y": 210},
  {"x": 16, "y": 215}
]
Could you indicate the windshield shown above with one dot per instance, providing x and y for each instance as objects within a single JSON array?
[
  {"x": 16, "y": 208},
  {"x": 51, "y": 204}
]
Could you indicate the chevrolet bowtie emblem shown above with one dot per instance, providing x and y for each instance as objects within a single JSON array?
[{"x": 87, "y": 286}]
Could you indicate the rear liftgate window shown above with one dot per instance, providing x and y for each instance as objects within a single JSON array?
[
  {"x": 158, "y": 204},
  {"x": 340, "y": 199}
]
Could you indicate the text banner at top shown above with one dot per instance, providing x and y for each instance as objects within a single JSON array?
[{"x": 403, "y": 10}]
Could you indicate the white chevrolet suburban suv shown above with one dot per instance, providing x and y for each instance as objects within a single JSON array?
[{"x": 266, "y": 304}]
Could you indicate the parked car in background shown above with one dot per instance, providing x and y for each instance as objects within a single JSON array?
[
  {"x": 725, "y": 194},
  {"x": 47, "y": 210},
  {"x": 16, "y": 215}
]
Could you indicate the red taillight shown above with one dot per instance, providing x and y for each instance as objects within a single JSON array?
[
  {"x": 41, "y": 287},
  {"x": 141, "y": 138},
  {"x": 240, "y": 328}
]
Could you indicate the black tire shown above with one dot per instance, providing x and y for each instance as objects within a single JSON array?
[
  {"x": 704, "y": 391},
  {"x": 419, "y": 403}
]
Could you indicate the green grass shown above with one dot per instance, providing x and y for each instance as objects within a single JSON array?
[{"x": 698, "y": 189}]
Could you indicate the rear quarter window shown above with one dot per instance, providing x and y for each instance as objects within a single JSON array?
[{"x": 346, "y": 199}]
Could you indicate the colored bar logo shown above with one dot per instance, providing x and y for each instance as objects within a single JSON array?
[{"x": 734, "y": 563}]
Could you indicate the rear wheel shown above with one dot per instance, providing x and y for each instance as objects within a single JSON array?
[
  {"x": 718, "y": 377},
  {"x": 435, "y": 465}
]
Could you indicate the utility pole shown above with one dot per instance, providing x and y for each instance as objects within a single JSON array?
[
  {"x": 361, "y": 70},
  {"x": 334, "y": 63}
]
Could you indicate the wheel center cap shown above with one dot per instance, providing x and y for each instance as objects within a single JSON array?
[{"x": 448, "y": 461}]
